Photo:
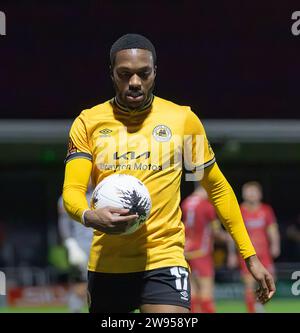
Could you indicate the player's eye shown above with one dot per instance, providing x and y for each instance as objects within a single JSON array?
[
  {"x": 124, "y": 75},
  {"x": 144, "y": 75}
]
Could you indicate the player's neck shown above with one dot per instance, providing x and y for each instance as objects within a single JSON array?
[{"x": 122, "y": 107}]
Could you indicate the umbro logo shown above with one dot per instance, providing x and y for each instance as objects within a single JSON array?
[
  {"x": 184, "y": 295},
  {"x": 105, "y": 132}
]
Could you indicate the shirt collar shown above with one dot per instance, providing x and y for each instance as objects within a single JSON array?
[{"x": 124, "y": 108}]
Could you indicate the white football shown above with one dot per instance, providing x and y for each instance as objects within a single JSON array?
[{"x": 124, "y": 191}]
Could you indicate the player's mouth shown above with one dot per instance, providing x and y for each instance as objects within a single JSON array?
[{"x": 135, "y": 96}]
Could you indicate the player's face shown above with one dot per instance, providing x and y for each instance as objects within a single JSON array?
[
  {"x": 133, "y": 75},
  {"x": 252, "y": 194}
]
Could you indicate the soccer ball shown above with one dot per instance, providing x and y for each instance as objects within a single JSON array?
[{"x": 124, "y": 191}]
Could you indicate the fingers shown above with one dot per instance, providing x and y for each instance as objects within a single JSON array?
[
  {"x": 263, "y": 291},
  {"x": 260, "y": 296},
  {"x": 113, "y": 220},
  {"x": 266, "y": 289},
  {"x": 271, "y": 285},
  {"x": 127, "y": 218},
  {"x": 121, "y": 217},
  {"x": 111, "y": 210},
  {"x": 121, "y": 211}
]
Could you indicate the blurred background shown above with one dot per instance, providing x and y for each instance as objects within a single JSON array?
[{"x": 235, "y": 63}]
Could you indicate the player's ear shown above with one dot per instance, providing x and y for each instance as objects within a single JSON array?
[{"x": 155, "y": 68}]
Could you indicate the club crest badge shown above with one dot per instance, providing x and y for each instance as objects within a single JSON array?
[{"x": 162, "y": 133}]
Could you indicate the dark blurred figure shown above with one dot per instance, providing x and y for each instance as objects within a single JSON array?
[{"x": 293, "y": 238}]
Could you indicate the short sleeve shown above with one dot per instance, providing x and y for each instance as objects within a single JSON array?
[
  {"x": 78, "y": 146},
  {"x": 198, "y": 153}
]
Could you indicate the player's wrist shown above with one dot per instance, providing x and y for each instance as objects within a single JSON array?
[
  {"x": 252, "y": 260},
  {"x": 86, "y": 217}
]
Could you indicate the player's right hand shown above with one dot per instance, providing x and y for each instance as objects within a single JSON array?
[{"x": 109, "y": 220}]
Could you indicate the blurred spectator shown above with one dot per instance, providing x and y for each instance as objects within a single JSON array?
[
  {"x": 262, "y": 227},
  {"x": 77, "y": 240},
  {"x": 201, "y": 228}
]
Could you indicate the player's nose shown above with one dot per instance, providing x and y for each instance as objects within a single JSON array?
[{"x": 135, "y": 81}]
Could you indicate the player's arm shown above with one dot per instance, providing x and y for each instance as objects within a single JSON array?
[
  {"x": 273, "y": 233},
  {"x": 77, "y": 174},
  {"x": 226, "y": 205},
  {"x": 274, "y": 240},
  {"x": 228, "y": 210},
  {"x": 218, "y": 189}
]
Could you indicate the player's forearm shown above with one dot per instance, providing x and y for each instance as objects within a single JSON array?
[
  {"x": 77, "y": 174},
  {"x": 274, "y": 240},
  {"x": 228, "y": 210}
]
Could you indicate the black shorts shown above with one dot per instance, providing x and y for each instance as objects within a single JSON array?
[{"x": 126, "y": 292}]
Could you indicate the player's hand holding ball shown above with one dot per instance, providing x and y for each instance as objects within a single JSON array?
[
  {"x": 121, "y": 204},
  {"x": 110, "y": 220}
]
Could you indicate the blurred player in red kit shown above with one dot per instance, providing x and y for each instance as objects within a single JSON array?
[
  {"x": 201, "y": 227},
  {"x": 262, "y": 227}
]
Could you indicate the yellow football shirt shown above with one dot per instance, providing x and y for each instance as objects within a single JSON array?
[{"x": 153, "y": 145}]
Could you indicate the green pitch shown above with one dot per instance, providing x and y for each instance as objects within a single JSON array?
[
  {"x": 284, "y": 305},
  {"x": 224, "y": 306}
]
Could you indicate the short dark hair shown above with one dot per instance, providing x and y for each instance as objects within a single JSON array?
[{"x": 131, "y": 41}]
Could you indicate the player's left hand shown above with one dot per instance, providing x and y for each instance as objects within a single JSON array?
[{"x": 266, "y": 285}]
